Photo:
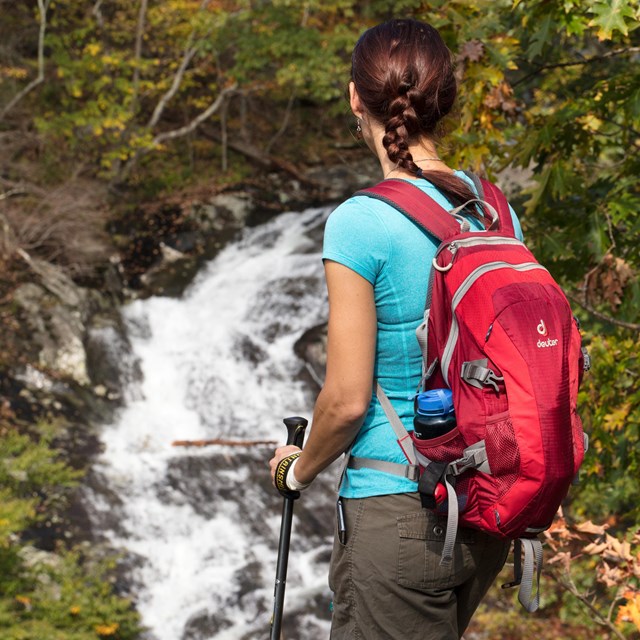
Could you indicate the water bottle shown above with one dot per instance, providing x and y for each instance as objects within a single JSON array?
[{"x": 434, "y": 414}]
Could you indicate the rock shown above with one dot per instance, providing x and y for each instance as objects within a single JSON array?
[
  {"x": 311, "y": 348},
  {"x": 110, "y": 362},
  {"x": 56, "y": 322},
  {"x": 223, "y": 210},
  {"x": 344, "y": 179}
]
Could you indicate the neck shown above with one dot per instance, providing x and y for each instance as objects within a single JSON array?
[{"x": 423, "y": 152}]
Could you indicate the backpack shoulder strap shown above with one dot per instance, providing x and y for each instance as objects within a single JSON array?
[
  {"x": 491, "y": 194},
  {"x": 416, "y": 205}
]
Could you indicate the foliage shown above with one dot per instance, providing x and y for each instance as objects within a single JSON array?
[
  {"x": 601, "y": 570},
  {"x": 60, "y": 596},
  {"x": 612, "y": 394},
  {"x": 152, "y": 94},
  {"x": 33, "y": 481}
]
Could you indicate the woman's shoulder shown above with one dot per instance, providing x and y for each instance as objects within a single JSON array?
[{"x": 359, "y": 213}]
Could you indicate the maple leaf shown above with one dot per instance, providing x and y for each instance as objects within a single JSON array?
[
  {"x": 610, "y": 16},
  {"x": 610, "y": 576},
  {"x": 595, "y": 549},
  {"x": 611, "y": 277},
  {"x": 630, "y": 612},
  {"x": 500, "y": 97},
  {"x": 473, "y": 50},
  {"x": 563, "y": 558},
  {"x": 617, "y": 550},
  {"x": 590, "y": 527}
]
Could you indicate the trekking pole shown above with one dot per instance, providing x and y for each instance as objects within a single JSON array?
[{"x": 295, "y": 435}]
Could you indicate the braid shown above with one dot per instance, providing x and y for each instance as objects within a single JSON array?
[
  {"x": 403, "y": 123},
  {"x": 404, "y": 75}
]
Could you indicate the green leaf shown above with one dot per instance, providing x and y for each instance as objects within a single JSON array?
[
  {"x": 541, "y": 36},
  {"x": 610, "y": 16}
]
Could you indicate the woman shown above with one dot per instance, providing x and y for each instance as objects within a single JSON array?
[{"x": 385, "y": 572}]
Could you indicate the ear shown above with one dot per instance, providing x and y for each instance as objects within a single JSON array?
[{"x": 354, "y": 101}]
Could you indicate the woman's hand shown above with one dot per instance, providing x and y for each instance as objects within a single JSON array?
[{"x": 281, "y": 453}]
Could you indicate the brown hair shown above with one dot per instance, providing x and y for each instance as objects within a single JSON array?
[{"x": 404, "y": 75}]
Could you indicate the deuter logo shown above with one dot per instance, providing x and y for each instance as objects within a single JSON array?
[{"x": 542, "y": 328}]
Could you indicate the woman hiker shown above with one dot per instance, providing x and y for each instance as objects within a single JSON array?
[{"x": 387, "y": 585}]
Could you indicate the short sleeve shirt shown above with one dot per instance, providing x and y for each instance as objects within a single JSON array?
[{"x": 387, "y": 249}]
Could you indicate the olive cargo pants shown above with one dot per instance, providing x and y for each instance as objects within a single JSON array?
[{"x": 387, "y": 579}]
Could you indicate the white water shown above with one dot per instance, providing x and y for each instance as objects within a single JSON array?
[{"x": 217, "y": 362}]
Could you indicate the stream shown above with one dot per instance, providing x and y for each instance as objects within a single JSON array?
[{"x": 198, "y": 527}]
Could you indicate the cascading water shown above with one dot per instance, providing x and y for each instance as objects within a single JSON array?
[{"x": 200, "y": 526}]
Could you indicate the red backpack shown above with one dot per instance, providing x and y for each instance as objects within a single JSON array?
[{"x": 499, "y": 332}]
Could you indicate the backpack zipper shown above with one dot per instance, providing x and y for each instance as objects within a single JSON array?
[
  {"x": 454, "y": 245},
  {"x": 469, "y": 281}
]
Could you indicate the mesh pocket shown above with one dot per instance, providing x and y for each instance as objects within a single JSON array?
[{"x": 503, "y": 454}]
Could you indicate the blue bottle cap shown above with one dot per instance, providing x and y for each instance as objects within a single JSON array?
[{"x": 435, "y": 403}]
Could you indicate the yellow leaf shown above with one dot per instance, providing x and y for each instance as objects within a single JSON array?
[
  {"x": 590, "y": 122},
  {"x": 107, "y": 629},
  {"x": 92, "y": 49},
  {"x": 630, "y": 612}
]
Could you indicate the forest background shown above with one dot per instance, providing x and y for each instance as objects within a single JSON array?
[{"x": 111, "y": 109}]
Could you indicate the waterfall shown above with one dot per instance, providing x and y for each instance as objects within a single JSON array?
[{"x": 199, "y": 526}]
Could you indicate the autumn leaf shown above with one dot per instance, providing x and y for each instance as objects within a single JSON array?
[
  {"x": 107, "y": 629},
  {"x": 617, "y": 550},
  {"x": 590, "y": 527},
  {"x": 595, "y": 548},
  {"x": 472, "y": 51},
  {"x": 630, "y": 612},
  {"x": 610, "y": 576}
]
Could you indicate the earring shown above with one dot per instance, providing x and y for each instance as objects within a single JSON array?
[{"x": 358, "y": 126}]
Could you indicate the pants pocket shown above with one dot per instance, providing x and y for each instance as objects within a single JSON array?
[{"x": 420, "y": 543}]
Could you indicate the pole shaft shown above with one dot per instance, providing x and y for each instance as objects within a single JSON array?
[
  {"x": 281, "y": 568},
  {"x": 295, "y": 435}
]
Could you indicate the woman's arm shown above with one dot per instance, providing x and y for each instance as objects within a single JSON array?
[{"x": 346, "y": 394}]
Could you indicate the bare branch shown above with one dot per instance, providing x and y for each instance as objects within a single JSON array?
[
  {"x": 284, "y": 125},
  {"x": 189, "y": 51},
  {"x": 219, "y": 441},
  {"x": 98, "y": 13},
  {"x": 569, "y": 586},
  {"x": 205, "y": 115},
  {"x": 138, "y": 54},
  {"x": 43, "y": 6},
  {"x": 224, "y": 134},
  {"x": 576, "y": 63},
  {"x": 603, "y": 316},
  {"x": 7, "y": 238}
]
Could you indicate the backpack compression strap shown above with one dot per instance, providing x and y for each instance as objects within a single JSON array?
[{"x": 491, "y": 194}]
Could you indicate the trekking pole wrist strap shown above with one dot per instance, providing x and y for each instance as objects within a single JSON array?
[
  {"x": 292, "y": 481},
  {"x": 285, "y": 480}
]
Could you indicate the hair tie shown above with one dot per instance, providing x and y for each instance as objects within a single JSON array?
[{"x": 419, "y": 173}]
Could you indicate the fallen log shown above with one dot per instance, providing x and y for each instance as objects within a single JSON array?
[{"x": 221, "y": 441}]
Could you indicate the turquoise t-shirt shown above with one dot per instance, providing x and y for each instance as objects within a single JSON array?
[{"x": 387, "y": 249}]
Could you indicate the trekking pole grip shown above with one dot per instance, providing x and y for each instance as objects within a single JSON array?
[{"x": 295, "y": 430}]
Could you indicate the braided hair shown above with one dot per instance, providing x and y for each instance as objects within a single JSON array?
[{"x": 404, "y": 75}]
